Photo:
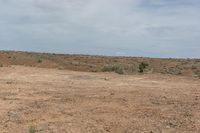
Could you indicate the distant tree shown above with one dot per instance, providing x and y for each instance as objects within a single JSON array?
[{"x": 142, "y": 66}]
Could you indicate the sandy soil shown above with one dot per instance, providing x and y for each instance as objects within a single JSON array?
[{"x": 61, "y": 101}]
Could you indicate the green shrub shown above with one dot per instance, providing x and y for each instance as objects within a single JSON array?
[
  {"x": 107, "y": 68},
  {"x": 142, "y": 66},
  {"x": 32, "y": 129},
  {"x": 119, "y": 69},
  {"x": 113, "y": 68},
  {"x": 39, "y": 61}
]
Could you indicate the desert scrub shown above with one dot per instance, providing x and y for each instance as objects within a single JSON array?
[
  {"x": 142, "y": 67},
  {"x": 113, "y": 68},
  {"x": 197, "y": 73},
  {"x": 39, "y": 61},
  {"x": 32, "y": 129}
]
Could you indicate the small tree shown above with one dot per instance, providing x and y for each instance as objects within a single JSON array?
[{"x": 142, "y": 66}]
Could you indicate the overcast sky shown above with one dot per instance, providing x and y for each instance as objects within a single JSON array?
[{"x": 155, "y": 28}]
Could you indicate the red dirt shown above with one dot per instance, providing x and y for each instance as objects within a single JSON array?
[{"x": 63, "y": 101}]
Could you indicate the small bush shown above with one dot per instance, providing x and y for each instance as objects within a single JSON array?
[
  {"x": 113, "y": 68},
  {"x": 142, "y": 66},
  {"x": 107, "y": 68},
  {"x": 32, "y": 129},
  {"x": 39, "y": 61},
  {"x": 193, "y": 67}
]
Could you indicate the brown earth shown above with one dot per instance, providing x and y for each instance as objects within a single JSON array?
[{"x": 63, "y": 101}]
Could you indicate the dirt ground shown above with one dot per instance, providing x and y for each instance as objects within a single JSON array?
[{"x": 62, "y": 101}]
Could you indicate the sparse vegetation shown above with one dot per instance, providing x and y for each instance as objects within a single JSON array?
[
  {"x": 32, "y": 129},
  {"x": 121, "y": 65},
  {"x": 113, "y": 68},
  {"x": 197, "y": 73},
  {"x": 39, "y": 61}
]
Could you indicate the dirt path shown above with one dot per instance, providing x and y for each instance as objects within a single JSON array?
[{"x": 60, "y": 101}]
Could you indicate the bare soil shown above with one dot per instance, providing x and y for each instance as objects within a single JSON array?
[{"x": 63, "y": 101}]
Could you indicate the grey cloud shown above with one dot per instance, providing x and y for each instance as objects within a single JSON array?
[{"x": 127, "y": 27}]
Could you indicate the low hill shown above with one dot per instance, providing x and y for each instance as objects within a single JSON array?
[{"x": 121, "y": 65}]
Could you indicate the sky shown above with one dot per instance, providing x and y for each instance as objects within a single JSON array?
[{"x": 150, "y": 28}]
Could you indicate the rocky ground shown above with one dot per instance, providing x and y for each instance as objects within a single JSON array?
[{"x": 61, "y": 101}]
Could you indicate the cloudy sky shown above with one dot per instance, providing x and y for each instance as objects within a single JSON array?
[{"x": 155, "y": 28}]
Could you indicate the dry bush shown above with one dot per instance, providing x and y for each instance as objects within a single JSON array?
[{"x": 113, "y": 68}]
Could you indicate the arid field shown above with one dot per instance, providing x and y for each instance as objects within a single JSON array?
[{"x": 44, "y": 100}]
